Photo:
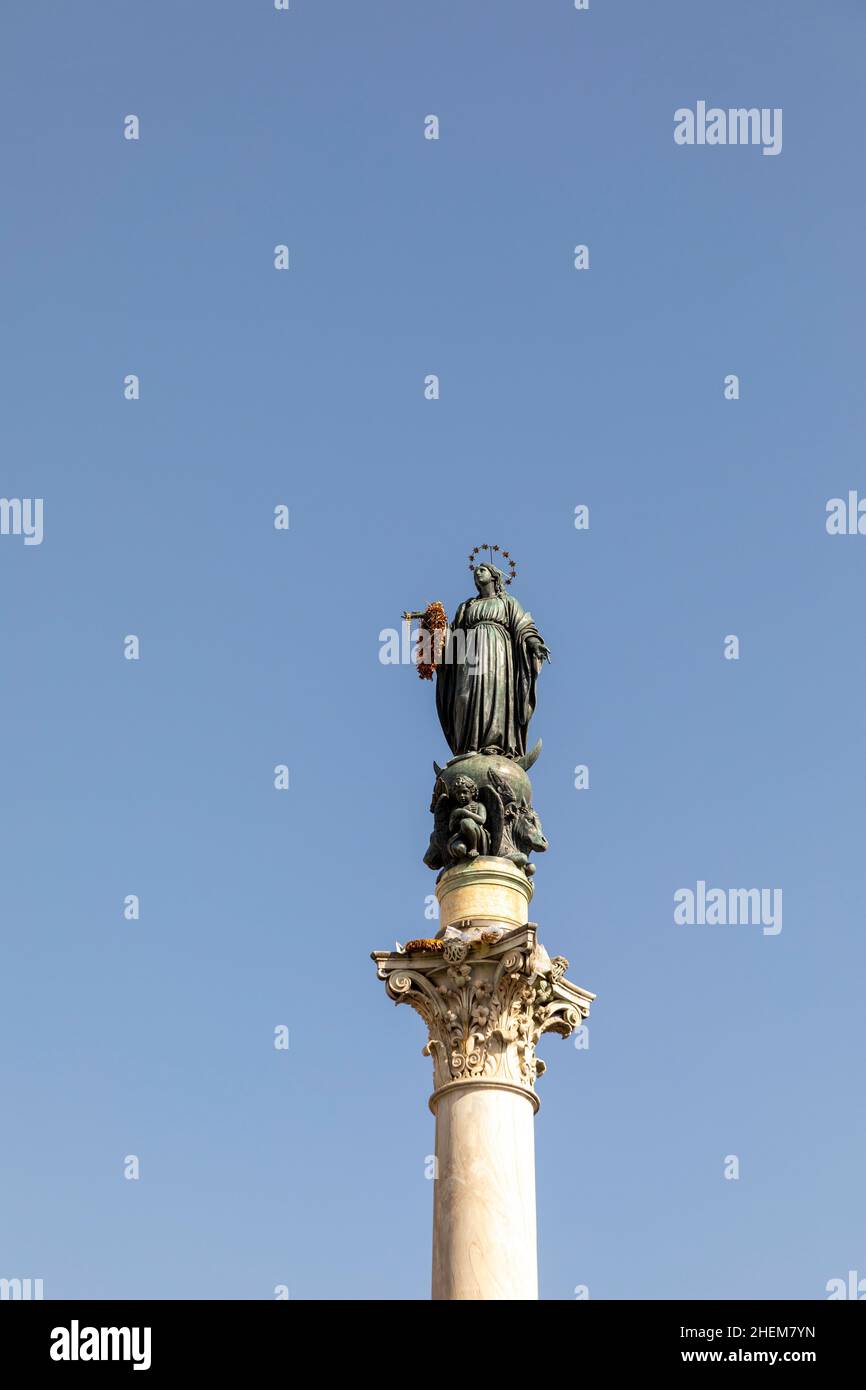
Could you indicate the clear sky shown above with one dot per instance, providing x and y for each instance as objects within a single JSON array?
[{"x": 602, "y": 387}]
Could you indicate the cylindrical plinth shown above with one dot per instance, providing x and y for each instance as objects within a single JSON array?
[
  {"x": 484, "y": 1242},
  {"x": 484, "y": 888}
]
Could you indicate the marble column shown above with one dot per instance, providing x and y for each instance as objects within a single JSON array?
[{"x": 487, "y": 990}]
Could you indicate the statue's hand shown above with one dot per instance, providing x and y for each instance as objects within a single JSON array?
[{"x": 540, "y": 651}]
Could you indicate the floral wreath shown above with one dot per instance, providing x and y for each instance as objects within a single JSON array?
[{"x": 433, "y": 620}]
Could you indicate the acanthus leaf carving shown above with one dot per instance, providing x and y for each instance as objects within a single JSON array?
[{"x": 486, "y": 1005}]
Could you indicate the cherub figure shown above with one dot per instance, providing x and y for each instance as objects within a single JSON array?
[{"x": 466, "y": 823}]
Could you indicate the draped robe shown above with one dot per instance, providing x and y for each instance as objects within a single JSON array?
[{"x": 486, "y": 699}]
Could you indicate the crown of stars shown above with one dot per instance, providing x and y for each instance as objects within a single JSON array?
[{"x": 491, "y": 549}]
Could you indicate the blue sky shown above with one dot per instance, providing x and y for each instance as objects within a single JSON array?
[{"x": 258, "y": 647}]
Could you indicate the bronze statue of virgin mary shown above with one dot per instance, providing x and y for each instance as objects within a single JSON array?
[
  {"x": 485, "y": 683},
  {"x": 486, "y": 675}
]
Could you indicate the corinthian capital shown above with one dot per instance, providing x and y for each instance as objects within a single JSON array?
[{"x": 485, "y": 1003}]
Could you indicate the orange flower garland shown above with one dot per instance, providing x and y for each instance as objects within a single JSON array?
[{"x": 434, "y": 620}]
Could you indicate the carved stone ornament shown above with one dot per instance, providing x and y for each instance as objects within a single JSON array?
[{"x": 486, "y": 1005}]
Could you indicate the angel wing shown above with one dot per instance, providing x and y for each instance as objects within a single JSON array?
[
  {"x": 439, "y": 790},
  {"x": 501, "y": 785},
  {"x": 434, "y": 856},
  {"x": 441, "y": 808},
  {"x": 491, "y": 800},
  {"x": 441, "y": 812}
]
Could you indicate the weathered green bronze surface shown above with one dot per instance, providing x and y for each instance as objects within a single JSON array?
[
  {"x": 485, "y": 701},
  {"x": 486, "y": 676}
]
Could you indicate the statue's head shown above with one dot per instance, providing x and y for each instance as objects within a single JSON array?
[
  {"x": 485, "y": 573},
  {"x": 488, "y": 574},
  {"x": 463, "y": 790}
]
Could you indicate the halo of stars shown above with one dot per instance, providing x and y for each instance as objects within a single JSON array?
[{"x": 504, "y": 554}]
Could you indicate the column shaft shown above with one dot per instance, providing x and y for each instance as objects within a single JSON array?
[{"x": 484, "y": 1242}]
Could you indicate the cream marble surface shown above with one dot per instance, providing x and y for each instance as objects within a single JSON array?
[
  {"x": 490, "y": 888},
  {"x": 484, "y": 1244}
]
